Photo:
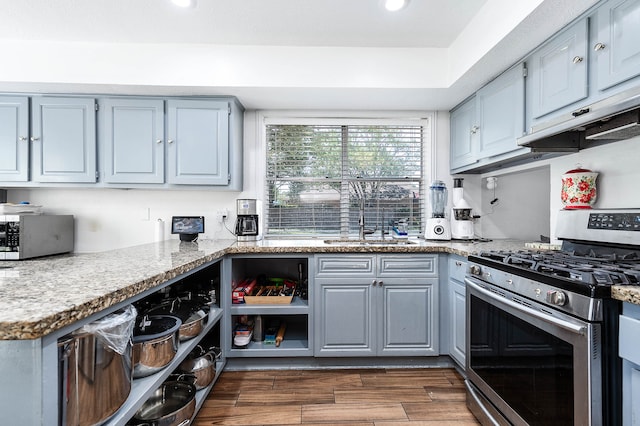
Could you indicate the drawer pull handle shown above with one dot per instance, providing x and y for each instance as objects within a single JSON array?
[
  {"x": 577, "y": 59},
  {"x": 599, "y": 46}
]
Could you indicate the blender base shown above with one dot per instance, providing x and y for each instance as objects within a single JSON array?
[{"x": 437, "y": 228}]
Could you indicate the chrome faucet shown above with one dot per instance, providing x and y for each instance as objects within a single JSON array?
[
  {"x": 361, "y": 220},
  {"x": 362, "y": 231}
]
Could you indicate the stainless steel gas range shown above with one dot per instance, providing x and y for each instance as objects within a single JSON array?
[{"x": 542, "y": 329}]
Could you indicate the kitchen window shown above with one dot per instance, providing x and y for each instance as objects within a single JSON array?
[{"x": 320, "y": 175}]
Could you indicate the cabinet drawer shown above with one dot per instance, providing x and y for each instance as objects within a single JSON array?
[
  {"x": 457, "y": 268},
  {"x": 345, "y": 265},
  {"x": 407, "y": 266},
  {"x": 629, "y": 338}
]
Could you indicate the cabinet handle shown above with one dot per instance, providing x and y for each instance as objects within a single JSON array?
[
  {"x": 33, "y": 139},
  {"x": 159, "y": 141},
  {"x": 599, "y": 46},
  {"x": 381, "y": 283},
  {"x": 577, "y": 59},
  {"x": 22, "y": 138},
  {"x": 458, "y": 263},
  {"x": 170, "y": 141},
  {"x": 475, "y": 129},
  {"x": 374, "y": 282}
]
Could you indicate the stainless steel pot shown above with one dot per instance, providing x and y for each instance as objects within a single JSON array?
[
  {"x": 202, "y": 364},
  {"x": 155, "y": 343},
  {"x": 95, "y": 369},
  {"x": 172, "y": 404},
  {"x": 192, "y": 315}
]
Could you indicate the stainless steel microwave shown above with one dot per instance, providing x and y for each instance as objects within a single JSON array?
[{"x": 24, "y": 236}]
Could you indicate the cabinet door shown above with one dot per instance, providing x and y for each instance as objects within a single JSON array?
[
  {"x": 344, "y": 318},
  {"x": 500, "y": 113},
  {"x": 63, "y": 140},
  {"x": 409, "y": 317},
  {"x": 457, "y": 322},
  {"x": 132, "y": 138},
  {"x": 198, "y": 142},
  {"x": 463, "y": 131},
  {"x": 14, "y": 143},
  {"x": 617, "y": 48},
  {"x": 559, "y": 71}
]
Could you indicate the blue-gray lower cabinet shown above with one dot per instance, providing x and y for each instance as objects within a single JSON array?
[
  {"x": 376, "y": 305},
  {"x": 456, "y": 310},
  {"x": 630, "y": 353},
  {"x": 14, "y": 138}
]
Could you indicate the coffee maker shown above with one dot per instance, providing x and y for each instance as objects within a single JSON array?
[
  {"x": 247, "y": 220},
  {"x": 437, "y": 225},
  {"x": 461, "y": 219}
]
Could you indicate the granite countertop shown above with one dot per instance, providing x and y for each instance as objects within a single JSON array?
[
  {"x": 40, "y": 296},
  {"x": 626, "y": 293}
]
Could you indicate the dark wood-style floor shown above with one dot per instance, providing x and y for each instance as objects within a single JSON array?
[{"x": 381, "y": 397}]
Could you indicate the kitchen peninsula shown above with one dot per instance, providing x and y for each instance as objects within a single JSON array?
[{"x": 43, "y": 299}]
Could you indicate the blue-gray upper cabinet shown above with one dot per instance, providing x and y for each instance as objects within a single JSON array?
[
  {"x": 198, "y": 142},
  {"x": 14, "y": 138},
  {"x": 500, "y": 113},
  {"x": 558, "y": 71},
  {"x": 63, "y": 139},
  {"x": 484, "y": 128},
  {"x": 463, "y": 130},
  {"x": 617, "y": 46},
  {"x": 131, "y": 135}
]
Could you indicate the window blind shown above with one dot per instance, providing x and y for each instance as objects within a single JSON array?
[{"x": 319, "y": 176}]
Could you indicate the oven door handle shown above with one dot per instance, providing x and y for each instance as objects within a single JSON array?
[{"x": 573, "y": 328}]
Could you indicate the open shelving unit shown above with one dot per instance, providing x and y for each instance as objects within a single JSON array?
[
  {"x": 297, "y": 314},
  {"x": 143, "y": 387}
]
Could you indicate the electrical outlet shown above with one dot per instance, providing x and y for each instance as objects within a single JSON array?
[{"x": 220, "y": 214}]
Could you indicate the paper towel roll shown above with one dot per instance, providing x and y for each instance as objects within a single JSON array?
[{"x": 159, "y": 230}]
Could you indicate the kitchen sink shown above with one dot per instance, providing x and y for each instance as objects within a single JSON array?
[{"x": 372, "y": 242}]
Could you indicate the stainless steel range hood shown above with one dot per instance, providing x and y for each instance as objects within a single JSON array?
[{"x": 612, "y": 119}]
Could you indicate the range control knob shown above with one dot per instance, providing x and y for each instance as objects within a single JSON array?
[
  {"x": 556, "y": 297},
  {"x": 475, "y": 270}
]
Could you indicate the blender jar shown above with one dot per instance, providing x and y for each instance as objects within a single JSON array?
[{"x": 438, "y": 198}]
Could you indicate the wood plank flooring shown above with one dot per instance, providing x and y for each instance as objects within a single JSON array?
[{"x": 380, "y": 397}]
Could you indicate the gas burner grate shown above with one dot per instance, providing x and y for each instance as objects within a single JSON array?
[{"x": 582, "y": 267}]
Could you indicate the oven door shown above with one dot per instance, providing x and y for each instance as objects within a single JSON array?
[{"x": 529, "y": 363}]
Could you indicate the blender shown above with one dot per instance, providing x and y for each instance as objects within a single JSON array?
[
  {"x": 461, "y": 219},
  {"x": 437, "y": 225}
]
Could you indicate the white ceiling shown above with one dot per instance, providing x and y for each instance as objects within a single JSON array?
[
  {"x": 274, "y": 54},
  {"x": 425, "y": 23}
]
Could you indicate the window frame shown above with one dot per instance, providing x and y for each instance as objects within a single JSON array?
[{"x": 424, "y": 119}]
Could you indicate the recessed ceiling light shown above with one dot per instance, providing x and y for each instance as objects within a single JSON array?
[
  {"x": 184, "y": 3},
  {"x": 394, "y": 5}
]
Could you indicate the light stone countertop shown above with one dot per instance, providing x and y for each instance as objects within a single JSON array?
[
  {"x": 626, "y": 293},
  {"x": 40, "y": 296}
]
